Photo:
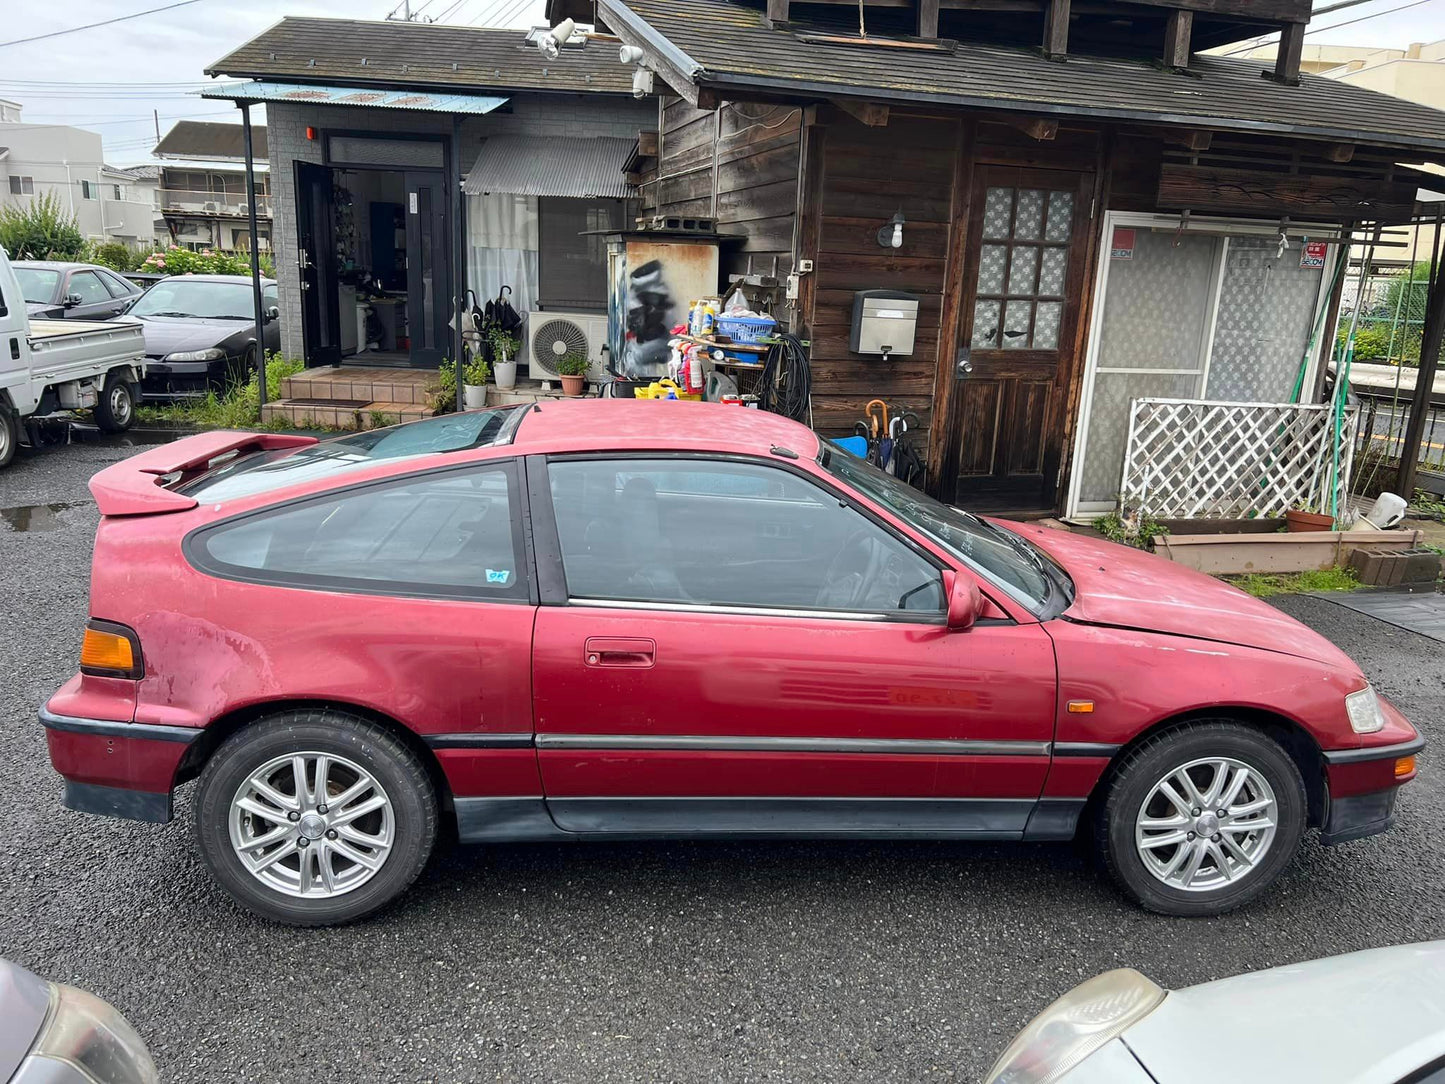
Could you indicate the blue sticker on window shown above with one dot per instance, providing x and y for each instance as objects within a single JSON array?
[{"x": 494, "y": 576}]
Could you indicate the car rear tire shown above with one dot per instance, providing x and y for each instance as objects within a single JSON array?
[
  {"x": 1201, "y": 819},
  {"x": 115, "y": 408},
  {"x": 9, "y": 434},
  {"x": 315, "y": 818}
]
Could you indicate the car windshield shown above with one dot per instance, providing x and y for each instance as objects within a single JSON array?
[
  {"x": 284, "y": 467},
  {"x": 1001, "y": 556},
  {"x": 38, "y": 284},
  {"x": 177, "y": 297}
]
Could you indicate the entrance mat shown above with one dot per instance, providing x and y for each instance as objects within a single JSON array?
[
  {"x": 338, "y": 404},
  {"x": 1421, "y": 610}
]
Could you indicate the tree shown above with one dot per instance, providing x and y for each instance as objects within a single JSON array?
[{"x": 40, "y": 230}]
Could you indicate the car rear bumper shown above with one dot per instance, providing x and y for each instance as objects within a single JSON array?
[
  {"x": 1362, "y": 786},
  {"x": 116, "y": 769}
]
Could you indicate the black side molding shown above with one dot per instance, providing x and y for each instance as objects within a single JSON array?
[
  {"x": 108, "y": 728},
  {"x": 134, "y": 805},
  {"x": 479, "y": 741},
  {"x": 1085, "y": 749}
]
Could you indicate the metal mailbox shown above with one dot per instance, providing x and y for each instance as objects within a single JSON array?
[{"x": 884, "y": 323}]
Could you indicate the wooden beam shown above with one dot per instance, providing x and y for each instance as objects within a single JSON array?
[
  {"x": 1291, "y": 52},
  {"x": 778, "y": 13},
  {"x": 1211, "y": 189},
  {"x": 1034, "y": 127},
  {"x": 647, "y": 144},
  {"x": 1178, "y": 34},
  {"x": 1056, "y": 28},
  {"x": 928, "y": 18},
  {"x": 1339, "y": 152},
  {"x": 873, "y": 114}
]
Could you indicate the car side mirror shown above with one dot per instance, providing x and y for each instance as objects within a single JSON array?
[
  {"x": 272, "y": 313},
  {"x": 72, "y": 300},
  {"x": 964, "y": 601}
]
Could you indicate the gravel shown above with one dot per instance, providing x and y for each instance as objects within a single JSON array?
[{"x": 756, "y": 962}]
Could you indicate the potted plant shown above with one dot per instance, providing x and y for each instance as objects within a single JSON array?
[
  {"x": 474, "y": 383},
  {"x": 504, "y": 357},
  {"x": 573, "y": 371},
  {"x": 1304, "y": 517}
]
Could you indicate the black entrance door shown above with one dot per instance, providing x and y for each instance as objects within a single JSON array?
[
  {"x": 428, "y": 278},
  {"x": 320, "y": 320}
]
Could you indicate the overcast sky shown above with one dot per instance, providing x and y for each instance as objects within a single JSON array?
[{"x": 110, "y": 79}]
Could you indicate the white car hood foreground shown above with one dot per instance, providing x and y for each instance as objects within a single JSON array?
[{"x": 1367, "y": 1018}]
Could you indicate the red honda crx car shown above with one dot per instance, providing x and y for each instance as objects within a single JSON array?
[{"x": 594, "y": 620}]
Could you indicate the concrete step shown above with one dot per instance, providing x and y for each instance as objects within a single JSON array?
[
  {"x": 361, "y": 384},
  {"x": 353, "y": 414}
]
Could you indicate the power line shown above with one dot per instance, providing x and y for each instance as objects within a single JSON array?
[
  {"x": 103, "y": 22},
  {"x": 1259, "y": 42}
]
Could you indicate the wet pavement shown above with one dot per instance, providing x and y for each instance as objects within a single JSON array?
[{"x": 790, "y": 961}]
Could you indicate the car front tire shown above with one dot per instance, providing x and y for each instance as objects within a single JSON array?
[
  {"x": 115, "y": 408},
  {"x": 1201, "y": 819},
  {"x": 9, "y": 434},
  {"x": 315, "y": 818}
]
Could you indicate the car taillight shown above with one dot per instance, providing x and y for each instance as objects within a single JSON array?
[{"x": 111, "y": 650}]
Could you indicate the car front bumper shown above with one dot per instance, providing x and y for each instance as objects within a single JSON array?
[{"x": 186, "y": 379}]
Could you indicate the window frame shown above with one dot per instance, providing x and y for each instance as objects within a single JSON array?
[
  {"x": 551, "y": 573},
  {"x": 105, "y": 294},
  {"x": 114, "y": 282},
  {"x": 193, "y": 545}
]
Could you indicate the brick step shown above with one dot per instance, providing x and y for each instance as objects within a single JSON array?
[
  {"x": 361, "y": 384},
  {"x": 307, "y": 413}
]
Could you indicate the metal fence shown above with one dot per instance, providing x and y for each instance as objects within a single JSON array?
[
  {"x": 1380, "y": 438},
  {"x": 1392, "y": 315}
]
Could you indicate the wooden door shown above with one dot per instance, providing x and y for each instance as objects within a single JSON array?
[{"x": 1021, "y": 296}]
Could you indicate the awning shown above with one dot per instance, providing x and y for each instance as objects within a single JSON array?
[
  {"x": 262, "y": 91},
  {"x": 550, "y": 166}
]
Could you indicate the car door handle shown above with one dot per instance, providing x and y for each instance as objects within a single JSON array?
[{"x": 626, "y": 653}]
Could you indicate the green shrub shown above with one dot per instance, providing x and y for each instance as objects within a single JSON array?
[
  {"x": 182, "y": 261},
  {"x": 40, "y": 230},
  {"x": 116, "y": 255},
  {"x": 1138, "y": 530}
]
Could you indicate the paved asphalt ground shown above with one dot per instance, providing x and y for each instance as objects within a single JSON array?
[{"x": 637, "y": 962}]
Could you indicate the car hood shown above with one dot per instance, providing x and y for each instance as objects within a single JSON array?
[
  {"x": 1370, "y": 1017},
  {"x": 167, "y": 334},
  {"x": 1127, "y": 588}
]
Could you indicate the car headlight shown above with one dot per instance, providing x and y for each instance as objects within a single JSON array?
[
  {"x": 1364, "y": 711},
  {"x": 87, "y": 1034},
  {"x": 215, "y": 353},
  {"x": 1088, "y": 1017}
]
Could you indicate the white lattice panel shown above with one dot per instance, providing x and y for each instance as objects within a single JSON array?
[{"x": 1197, "y": 459}]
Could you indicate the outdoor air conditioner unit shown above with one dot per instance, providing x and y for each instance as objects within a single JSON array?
[
  {"x": 551, "y": 336},
  {"x": 210, "y": 206}
]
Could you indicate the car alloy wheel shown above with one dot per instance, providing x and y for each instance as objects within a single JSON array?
[
  {"x": 1206, "y": 824},
  {"x": 312, "y": 824}
]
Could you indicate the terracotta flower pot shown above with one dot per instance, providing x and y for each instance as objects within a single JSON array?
[
  {"x": 574, "y": 385},
  {"x": 1298, "y": 521}
]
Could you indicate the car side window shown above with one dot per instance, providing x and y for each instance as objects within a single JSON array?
[
  {"x": 88, "y": 288},
  {"x": 117, "y": 286},
  {"x": 726, "y": 533},
  {"x": 455, "y": 534}
]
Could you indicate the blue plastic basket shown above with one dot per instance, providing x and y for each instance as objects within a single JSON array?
[{"x": 746, "y": 329}]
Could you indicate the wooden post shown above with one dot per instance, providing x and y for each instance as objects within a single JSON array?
[
  {"x": 778, "y": 13},
  {"x": 1056, "y": 29},
  {"x": 928, "y": 18},
  {"x": 1429, "y": 365},
  {"x": 1179, "y": 30},
  {"x": 1291, "y": 51}
]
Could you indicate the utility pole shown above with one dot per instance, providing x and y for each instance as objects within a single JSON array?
[{"x": 157, "y": 114}]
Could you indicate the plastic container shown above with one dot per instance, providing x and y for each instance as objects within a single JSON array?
[
  {"x": 1388, "y": 510},
  {"x": 664, "y": 389},
  {"x": 746, "y": 329}
]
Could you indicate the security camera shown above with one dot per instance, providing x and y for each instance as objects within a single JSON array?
[
  {"x": 630, "y": 54},
  {"x": 641, "y": 83},
  {"x": 551, "y": 43}
]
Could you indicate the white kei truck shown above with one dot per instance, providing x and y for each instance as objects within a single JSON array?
[{"x": 53, "y": 367}]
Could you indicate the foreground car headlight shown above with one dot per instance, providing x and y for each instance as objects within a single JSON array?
[
  {"x": 93, "y": 1038},
  {"x": 1364, "y": 711},
  {"x": 1078, "y": 1024},
  {"x": 215, "y": 353}
]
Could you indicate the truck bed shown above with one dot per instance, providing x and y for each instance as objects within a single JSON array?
[{"x": 70, "y": 349}]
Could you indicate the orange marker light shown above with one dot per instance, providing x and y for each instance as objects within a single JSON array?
[
  {"x": 1404, "y": 767},
  {"x": 1081, "y": 707},
  {"x": 106, "y": 651}
]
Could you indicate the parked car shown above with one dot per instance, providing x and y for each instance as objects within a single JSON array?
[
  {"x": 51, "y": 1034},
  {"x": 200, "y": 332},
  {"x": 76, "y": 291},
  {"x": 53, "y": 368},
  {"x": 610, "y": 619},
  {"x": 1375, "y": 1017}
]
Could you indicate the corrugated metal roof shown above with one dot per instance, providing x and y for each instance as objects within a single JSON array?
[
  {"x": 207, "y": 139},
  {"x": 585, "y": 168},
  {"x": 393, "y": 54},
  {"x": 374, "y": 97},
  {"x": 726, "y": 44}
]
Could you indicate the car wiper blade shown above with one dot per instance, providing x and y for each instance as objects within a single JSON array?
[{"x": 183, "y": 315}]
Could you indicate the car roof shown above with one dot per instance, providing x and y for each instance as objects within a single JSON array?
[
  {"x": 215, "y": 278},
  {"x": 581, "y": 425},
  {"x": 61, "y": 265}
]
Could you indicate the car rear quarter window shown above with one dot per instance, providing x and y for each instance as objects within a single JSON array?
[{"x": 447, "y": 534}]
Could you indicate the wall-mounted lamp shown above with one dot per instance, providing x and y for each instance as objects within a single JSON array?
[
  {"x": 551, "y": 43},
  {"x": 891, "y": 235},
  {"x": 630, "y": 54}
]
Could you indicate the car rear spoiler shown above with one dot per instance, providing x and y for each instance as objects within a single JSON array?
[{"x": 136, "y": 486}]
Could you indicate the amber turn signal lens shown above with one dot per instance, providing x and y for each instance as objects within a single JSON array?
[
  {"x": 1404, "y": 766},
  {"x": 1081, "y": 707},
  {"x": 102, "y": 650}
]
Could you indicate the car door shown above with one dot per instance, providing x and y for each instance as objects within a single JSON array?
[
  {"x": 122, "y": 291},
  {"x": 92, "y": 300},
  {"x": 730, "y": 646}
]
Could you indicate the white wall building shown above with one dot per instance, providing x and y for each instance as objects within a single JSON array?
[{"x": 36, "y": 159}]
